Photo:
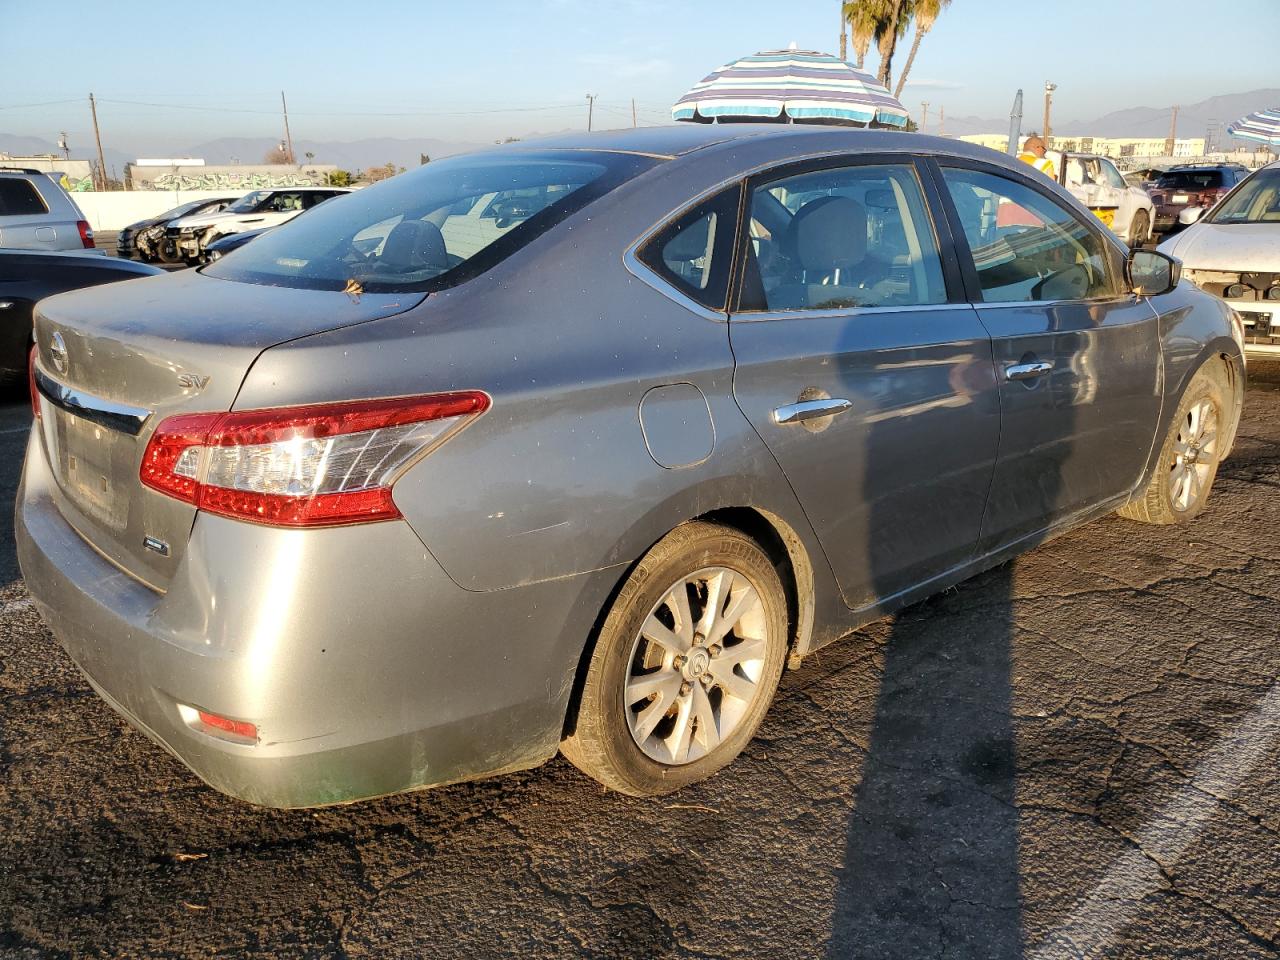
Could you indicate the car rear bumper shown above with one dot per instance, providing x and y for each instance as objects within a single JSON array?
[{"x": 366, "y": 670}]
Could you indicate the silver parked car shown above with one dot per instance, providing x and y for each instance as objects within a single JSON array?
[
  {"x": 37, "y": 214},
  {"x": 364, "y": 507}
]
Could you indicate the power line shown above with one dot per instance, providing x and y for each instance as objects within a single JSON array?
[
  {"x": 43, "y": 103},
  {"x": 343, "y": 113}
]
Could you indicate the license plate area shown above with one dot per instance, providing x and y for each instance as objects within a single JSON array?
[{"x": 89, "y": 461}]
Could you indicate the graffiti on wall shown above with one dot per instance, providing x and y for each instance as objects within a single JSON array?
[{"x": 221, "y": 180}]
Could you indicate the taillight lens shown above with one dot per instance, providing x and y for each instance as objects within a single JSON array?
[
  {"x": 321, "y": 465},
  {"x": 31, "y": 383},
  {"x": 86, "y": 233}
]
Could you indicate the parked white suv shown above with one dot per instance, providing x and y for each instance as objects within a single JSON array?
[
  {"x": 37, "y": 214},
  {"x": 256, "y": 210}
]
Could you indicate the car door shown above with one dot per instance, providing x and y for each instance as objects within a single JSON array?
[
  {"x": 864, "y": 370},
  {"x": 1077, "y": 355}
]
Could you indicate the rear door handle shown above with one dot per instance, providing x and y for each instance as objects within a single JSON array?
[
  {"x": 810, "y": 410},
  {"x": 1027, "y": 371}
]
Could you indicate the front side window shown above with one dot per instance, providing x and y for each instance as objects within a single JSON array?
[
  {"x": 283, "y": 203},
  {"x": 249, "y": 202},
  {"x": 1112, "y": 175},
  {"x": 1256, "y": 201},
  {"x": 423, "y": 230},
  {"x": 842, "y": 238},
  {"x": 1025, "y": 246}
]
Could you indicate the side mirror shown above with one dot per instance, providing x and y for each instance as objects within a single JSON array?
[
  {"x": 1152, "y": 273},
  {"x": 1190, "y": 215}
]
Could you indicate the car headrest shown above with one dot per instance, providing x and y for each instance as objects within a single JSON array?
[
  {"x": 414, "y": 245},
  {"x": 829, "y": 232},
  {"x": 882, "y": 199}
]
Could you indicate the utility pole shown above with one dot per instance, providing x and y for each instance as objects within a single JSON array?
[
  {"x": 287, "y": 136},
  {"x": 591, "y": 105},
  {"x": 924, "y": 116},
  {"x": 844, "y": 34},
  {"x": 1173, "y": 134},
  {"x": 633, "y": 112},
  {"x": 1048, "y": 106},
  {"x": 102, "y": 163},
  {"x": 942, "y": 120}
]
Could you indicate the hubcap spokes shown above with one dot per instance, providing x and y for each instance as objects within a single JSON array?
[
  {"x": 695, "y": 668},
  {"x": 1195, "y": 451}
]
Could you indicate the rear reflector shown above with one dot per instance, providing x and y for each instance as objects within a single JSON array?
[
  {"x": 31, "y": 383},
  {"x": 237, "y": 728},
  {"x": 320, "y": 465}
]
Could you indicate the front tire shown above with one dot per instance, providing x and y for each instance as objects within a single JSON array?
[
  {"x": 686, "y": 664},
  {"x": 1179, "y": 488}
]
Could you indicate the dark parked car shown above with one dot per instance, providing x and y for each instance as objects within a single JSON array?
[
  {"x": 145, "y": 240},
  {"x": 27, "y": 276},
  {"x": 232, "y": 241},
  {"x": 390, "y": 499},
  {"x": 1183, "y": 188}
]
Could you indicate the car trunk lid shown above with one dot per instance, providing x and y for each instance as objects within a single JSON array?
[{"x": 115, "y": 361}]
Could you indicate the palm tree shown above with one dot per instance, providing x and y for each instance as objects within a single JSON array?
[
  {"x": 926, "y": 14},
  {"x": 864, "y": 19},
  {"x": 897, "y": 15}
]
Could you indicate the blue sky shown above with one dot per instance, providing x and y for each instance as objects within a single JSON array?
[{"x": 484, "y": 69}]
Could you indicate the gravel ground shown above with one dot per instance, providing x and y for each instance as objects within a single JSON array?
[{"x": 1072, "y": 756}]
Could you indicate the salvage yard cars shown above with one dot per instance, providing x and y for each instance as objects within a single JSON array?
[
  {"x": 351, "y": 511},
  {"x": 1234, "y": 252},
  {"x": 189, "y": 236}
]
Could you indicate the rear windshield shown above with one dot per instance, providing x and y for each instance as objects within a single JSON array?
[
  {"x": 19, "y": 198},
  {"x": 1190, "y": 180},
  {"x": 431, "y": 228},
  {"x": 1257, "y": 200}
]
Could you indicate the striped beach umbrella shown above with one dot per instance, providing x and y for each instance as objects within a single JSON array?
[
  {"x": 784, "y": 85},
  {"x": 1261, "y": 127}
]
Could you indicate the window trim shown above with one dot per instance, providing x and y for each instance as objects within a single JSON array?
[
  {"x": 941, "y": 227},
  {"x": 964, "y": 255}
]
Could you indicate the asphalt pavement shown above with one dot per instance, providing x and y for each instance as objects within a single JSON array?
[{"x": 1074, "y": 755}]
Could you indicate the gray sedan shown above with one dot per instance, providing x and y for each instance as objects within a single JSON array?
[{"x": 574, "y": 445}]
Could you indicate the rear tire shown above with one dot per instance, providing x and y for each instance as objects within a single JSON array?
[
  {"x": 685, "y": 666},
  {"x": 1179, "y": 489}
]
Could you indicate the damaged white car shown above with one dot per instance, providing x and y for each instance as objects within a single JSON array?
[
  {"x": 260, "y": 208},
  {"x": 1234, "y": 252}
]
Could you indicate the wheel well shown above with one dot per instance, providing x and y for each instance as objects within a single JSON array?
[
  {"x": 1233, "y": 378},
  {"x": 779, "y": 542}
]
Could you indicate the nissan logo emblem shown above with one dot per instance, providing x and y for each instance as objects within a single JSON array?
[{"x": 58, "y": 353}]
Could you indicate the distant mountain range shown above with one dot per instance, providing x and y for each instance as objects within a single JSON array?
[{"x": 1193, "y": 120}]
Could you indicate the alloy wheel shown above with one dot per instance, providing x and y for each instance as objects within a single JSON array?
[
  {"x": 695, "y": 668},
  {"x": 1195, "y": 452}
]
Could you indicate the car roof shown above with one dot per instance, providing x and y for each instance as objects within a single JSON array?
[
  {"x": 679, "y": 139},
  {"x": 94, "y": 258}
]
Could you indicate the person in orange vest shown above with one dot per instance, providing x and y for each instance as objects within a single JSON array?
[{"x": 1033, "y": 153}]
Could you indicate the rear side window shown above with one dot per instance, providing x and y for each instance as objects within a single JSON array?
[
  {"x": 430, "y": 228},
  {"x": 1025, "y": 246},
  {"x": 694, "y": 252},
  {"x": 19, "y": 198},
  {"x": 842, "y": 238}
]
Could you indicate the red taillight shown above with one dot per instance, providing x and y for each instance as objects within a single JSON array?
[
  {"x": 31, "y": 383},
  {"x": 86, "y": 233},
  {"x": 321, "y": 465},
  {"x": 237, "y": 728}
]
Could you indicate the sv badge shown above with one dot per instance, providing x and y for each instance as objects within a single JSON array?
[{"x": 191, "y": 381}]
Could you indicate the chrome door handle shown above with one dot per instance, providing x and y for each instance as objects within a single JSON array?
[
  {"x": 810, "y": 410},
  {"x": 1027, "y": 371}
]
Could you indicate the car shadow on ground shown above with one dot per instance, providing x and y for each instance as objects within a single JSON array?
[{"x": 931, "y": 850}]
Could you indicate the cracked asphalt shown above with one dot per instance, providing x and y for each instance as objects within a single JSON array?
[{"x": 1074, "y": 755}]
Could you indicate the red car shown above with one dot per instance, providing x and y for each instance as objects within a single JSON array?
[{"x": 1180, "y": 188}]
